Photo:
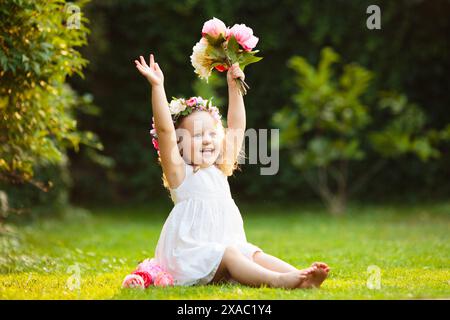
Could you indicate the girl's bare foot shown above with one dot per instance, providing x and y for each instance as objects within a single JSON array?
[
  {"x": 290, "y": 280},
  {"x": 322, "y": 265},
  {"x": 311, "y": 277},
  {"x": 315, "y": 275}
]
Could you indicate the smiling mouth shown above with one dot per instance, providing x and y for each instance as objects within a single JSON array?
[{"x": 207, "y": 151}]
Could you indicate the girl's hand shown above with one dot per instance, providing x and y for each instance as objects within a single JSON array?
[
  {"x": 233, "y": 73},
  {"x": 152, "y": 73}
]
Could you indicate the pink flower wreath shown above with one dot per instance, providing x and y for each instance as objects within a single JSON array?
[{"x": 148, "y": 273}]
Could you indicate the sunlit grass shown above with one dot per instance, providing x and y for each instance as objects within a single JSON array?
[{"x": 409, "y": 244}]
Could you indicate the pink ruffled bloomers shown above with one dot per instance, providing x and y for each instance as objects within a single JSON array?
[{"x": 146, "y": 274}]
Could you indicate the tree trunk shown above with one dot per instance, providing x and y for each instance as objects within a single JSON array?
[
  {"x": 335, "y": 201},
  {"x": 337, "y": 205}
]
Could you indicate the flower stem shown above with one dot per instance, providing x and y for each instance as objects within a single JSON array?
[{"x": 242, "y": 86}]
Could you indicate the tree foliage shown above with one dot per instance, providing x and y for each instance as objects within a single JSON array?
[
  {"x": 37, "y": 53},
  {"x": 409, "y": 55},
  {"x": 327, "y": 127},
  {"x": 38, "y": 109}
]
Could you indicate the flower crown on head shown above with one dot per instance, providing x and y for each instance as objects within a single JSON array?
[{"x": 182, "y": 107}]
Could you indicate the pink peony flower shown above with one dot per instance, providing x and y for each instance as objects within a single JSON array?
[
  {"x": 163, "y": 279},
  {"x": 244, "y": 36},
  {"x": 214, "y": 28},
  {"x": 148, "y": 280},
  {"x": 133, "y": 281},
  {"x": 191, "y": 102}
]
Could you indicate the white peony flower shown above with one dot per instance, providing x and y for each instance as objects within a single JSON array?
[
  {"x": 200, "y": 60},
  {"x": 176, "y": 106}
]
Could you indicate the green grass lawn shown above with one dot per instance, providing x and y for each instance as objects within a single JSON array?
[{"x": 410, "y": 245}]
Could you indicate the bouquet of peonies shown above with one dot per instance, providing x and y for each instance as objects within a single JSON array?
[
  {"x": 220, "y": 47},
  {"x": 146, "y": 274}
]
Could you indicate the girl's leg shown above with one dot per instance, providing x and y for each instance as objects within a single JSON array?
[
  {"x": 247, "y": 272},
  {"x": 272, "y": 263},
  {"x": 275, "y": 264}
]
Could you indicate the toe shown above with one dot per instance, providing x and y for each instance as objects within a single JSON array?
[{"x": 322, "y": 265}]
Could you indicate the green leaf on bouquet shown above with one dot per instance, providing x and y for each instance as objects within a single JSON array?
[
  {"x": 217, "y": 54},
  {"x": 244, "y": 58},
  {"x": 247, "y": 58},
  {"x": 233, "y": 49},
  {"x": 215, "y": 42}
]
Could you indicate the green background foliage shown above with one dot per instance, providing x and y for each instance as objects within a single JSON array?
[
  {"x": 38, "y": 109},
  {"x": 408, "y": 55},
  {"x": 327, "y": 128}
]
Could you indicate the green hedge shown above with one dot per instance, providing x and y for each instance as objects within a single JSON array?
[{"x": 409, "y": 54}]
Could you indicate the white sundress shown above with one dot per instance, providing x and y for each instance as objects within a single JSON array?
[{"x": 203, "y": 222}]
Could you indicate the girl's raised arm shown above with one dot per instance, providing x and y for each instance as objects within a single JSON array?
[
  {"x": 171, "y": 161},
  {"x": 236, "y": 119}
]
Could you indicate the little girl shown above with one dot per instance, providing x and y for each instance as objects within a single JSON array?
[{"x": 203, "y": 239}]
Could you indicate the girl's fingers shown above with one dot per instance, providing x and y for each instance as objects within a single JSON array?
[
  {"x": 138, "y": 65},
  {"x": 143, "y": 61},
  {"x": 140, "y": 68},
  {"x": 152, "y": 61},
  {"x": 236, "y": 67},
  {"x": 236, "y": 72},
  {"x": 143, "y": 70},
  {"x": 238, "y": 75}
]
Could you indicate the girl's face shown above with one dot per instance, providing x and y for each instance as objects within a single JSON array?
[{"x": 201, "y": 138}]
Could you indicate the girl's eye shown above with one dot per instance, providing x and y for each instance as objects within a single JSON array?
[
  {"x": 197, "y": 135},
  {"x": 213, "y": 134}
]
